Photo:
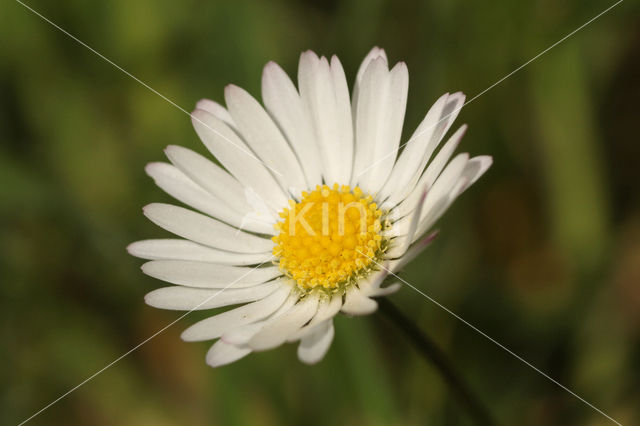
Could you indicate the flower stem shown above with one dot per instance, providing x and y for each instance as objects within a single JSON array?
[{"x": 438, "y": 358}]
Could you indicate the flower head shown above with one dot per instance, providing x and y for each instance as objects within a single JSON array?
[{"x": 315, "y": 203}]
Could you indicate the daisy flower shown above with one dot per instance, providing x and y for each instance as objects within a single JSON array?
[{"x": 313, "y": 204}]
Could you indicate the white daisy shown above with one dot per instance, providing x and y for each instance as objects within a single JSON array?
[{"x": 312, "y": 209}]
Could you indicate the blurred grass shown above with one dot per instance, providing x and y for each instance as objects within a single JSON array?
[{"x": 543, "y": 253}]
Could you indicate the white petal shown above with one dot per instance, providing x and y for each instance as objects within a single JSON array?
[
  {"x": 276, "y": 332},
  {"x": 475, "y": 168},
  {"x": 314, "y": 346},
  {"x": 174, "y": 249},
  {"x": 236, "y": 157},
  {"x": 384, "y": 123},
  {"x": 215, "y": 326},
  {"x": 324, "y": 95},
  {"x": 385, "y": 291},
  {"x": 217, "y": 110},
  {"x": 418, "y": 149},
  {"x": 265, "y": 139},
  {"x": 223, "y": 186},
  {"x": 283, "y": 102},
  {"x": 414, "y": 250},
  {"x": 405, "y": 229},
  {"x": 188, "y": 298},
  {"x": 453, "y": 183},
  {"x": 343, "y": 121},
  {"x": 435, "y": 167},
  {"x": 314, "y": 86},
  {"x": 372, "y": 283},
  {"x": 370, "y": 111},
  {"x": 205, "y": 230},
  {"x": 241, "y": 335},
  {"x": 175, "y": 183},
  {"x": 437, "y": 211},
  {"x": 443, "y": 192},
  {"x": 209, "y": 275},
  {"x": 356, "y": 303},
  {"x": 376, "y": 52},
  {"x": 222, "y": 353},
  {"x": 327, "y": 309},
  {"x": 430, "y": 174},
  {"x": 444, "y": 185}
]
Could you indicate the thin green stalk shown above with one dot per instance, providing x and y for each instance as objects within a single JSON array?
[{"x": 439, "y": 360}]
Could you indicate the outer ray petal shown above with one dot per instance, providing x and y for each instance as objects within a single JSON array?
[
  {"x": 275, "y": 333},
  {"x": 385, "y": 291},
  {"x": 325, "y": 96},
  {"x": 209, "y": 275},
  {"x": 188, "y": 298},
  {"x": 414, "y": 250},
  {"x": 405, "y": 229},
  {"x": 223, "y": 186},
  {"x": 175, "y": 249},
  {"x": 343, "y": 121},
  {"x": 222, "y": 353},
  {"x": 327, "y": 309},
  {"x": 243, "y": 334},
  {"x": 444, "y": 185},
  {"x": 430, "y": 174},
  {"x": 175, "y": 183},
  {"x": 314, "y": 346},
  {"x": 283, "y": 102},
  {"x": 217, "y": 110},
  {"x": 205, "y": 230},
  {"x": 370, "y": 109},
  {"x": 419, "y": 148},
  {"x": 357, "y": 303},
  {"x": 376, "y": 52},
  {"x": 225, "y": 144},
  {"x": 475, "y": 168},
  {"x": 385, "y": 125},
  {"x": 215, "y": 326},
  {"x": 265, "y": 139}
]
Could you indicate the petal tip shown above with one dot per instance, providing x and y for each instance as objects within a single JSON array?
[
  {"x": 150, "y": 299},
  {"x": 231, "y": 88},
  {"x": 149, "y": 208},
  {"x": 130, "y": 247},
  {"x": 202, "y": 103},
  {"x": 151, "y": 167},
  {"x": 185, "y": 336},
  {"x": 170, "y": 150},
  {"x": 198, "y": 115}
]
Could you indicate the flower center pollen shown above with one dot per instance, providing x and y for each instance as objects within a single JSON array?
[{"x": 330, "y": 238}]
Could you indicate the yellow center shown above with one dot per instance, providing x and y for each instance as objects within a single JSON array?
[{"x": 330, "y": 238}]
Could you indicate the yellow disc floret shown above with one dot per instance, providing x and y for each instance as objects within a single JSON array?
[{"x": 330, "y": 238}]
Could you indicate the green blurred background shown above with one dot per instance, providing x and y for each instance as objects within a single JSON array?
[{"x": 543, "y": 254}]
